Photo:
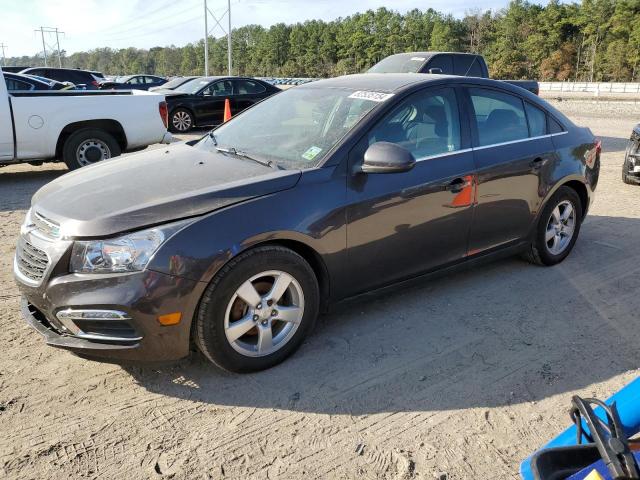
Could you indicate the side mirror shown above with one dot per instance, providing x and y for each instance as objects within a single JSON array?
[
  {"x": 435, "y": 70},
  {"x": 386, "y": 157}
]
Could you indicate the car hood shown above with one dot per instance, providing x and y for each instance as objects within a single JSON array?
[{"x": 154, "y": 187}]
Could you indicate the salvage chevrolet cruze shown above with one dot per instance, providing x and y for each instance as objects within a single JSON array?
[{"x": 236, "y": 241}]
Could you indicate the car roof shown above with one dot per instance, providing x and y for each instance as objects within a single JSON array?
[{"x": 380, "y": 82}]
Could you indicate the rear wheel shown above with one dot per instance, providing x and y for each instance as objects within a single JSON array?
[
  {"x": 88, "y": 146},
  {"x": 558, "y": 228},
  {"x": 257, "y": 309},
  {"x": 181, "y": 120}
]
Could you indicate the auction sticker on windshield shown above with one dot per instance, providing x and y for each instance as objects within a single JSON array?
[
  {"x": 311, "y": 153},
  {"x": 373, "y": 96}
]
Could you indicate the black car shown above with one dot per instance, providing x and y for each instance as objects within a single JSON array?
[
  {"x": 201, "y": 101},
  {"x": 133, "y": 82},
  {"x": 20, "y": 82},
  {"x": 322, "y": 192},
  {"x": 173, "y": 83},
  {"x": 631, "y": 165},
  {"x": 86, "y": 79}
]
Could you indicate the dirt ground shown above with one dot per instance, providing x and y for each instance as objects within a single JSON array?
[{"x": 457, "y": 378}]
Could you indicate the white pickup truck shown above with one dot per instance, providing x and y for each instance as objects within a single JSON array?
[{"x": 78, "y": 127}]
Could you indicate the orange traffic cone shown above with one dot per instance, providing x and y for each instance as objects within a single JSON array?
[{"x": 227, "y": 110}]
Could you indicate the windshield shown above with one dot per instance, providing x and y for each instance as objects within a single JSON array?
[
  {"x": 176, "y": 82},
  {"x": 193, "y": 86},
  {"x": 298, "y": 127},
  {"x": 402, "y": 63}
]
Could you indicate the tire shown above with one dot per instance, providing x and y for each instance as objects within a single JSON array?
[
  {"x": 181, "y": 120},
  {"x": 223, "y": 315},
  {"x": 553, "y": 251},
  {"x": 625, "y": 177},
  {"x": 88, "y": 146}
]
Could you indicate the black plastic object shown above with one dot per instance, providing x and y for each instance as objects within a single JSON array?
[
  {"x": 608, "y": 436},
  {"x": 607, "y": 442}
]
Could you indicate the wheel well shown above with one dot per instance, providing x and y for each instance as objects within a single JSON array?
[
  {"x": 581, "y": 190},
  {"x": 111, "y": 126},
  {"x": 314, "y": 260}
]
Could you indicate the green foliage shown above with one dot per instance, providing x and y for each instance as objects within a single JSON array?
[{"x": 595, "y": 40}]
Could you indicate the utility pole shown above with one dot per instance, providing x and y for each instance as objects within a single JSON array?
[
  {"x": 206, "y": 40},
  {"x": 4, "y": 59},
  {"x": 217, "y": 20},
  {"x": 229, "y": 35},
  {"x": 55, "y": 30},
  {"x": 58, "y": 46}
]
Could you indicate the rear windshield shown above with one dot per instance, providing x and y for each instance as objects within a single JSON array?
[{"x": 403, "y": 63}]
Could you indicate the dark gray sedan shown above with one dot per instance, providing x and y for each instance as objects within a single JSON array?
[
  {"x": 631, "y": 165},
  {"x": 328, "y": 190}
]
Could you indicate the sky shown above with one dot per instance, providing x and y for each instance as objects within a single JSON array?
[{"x": 89, "y": 24}]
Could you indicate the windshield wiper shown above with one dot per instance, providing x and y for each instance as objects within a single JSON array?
[
  {"x": 213, "y": 138},
  {"x": 240, "y": 153}
]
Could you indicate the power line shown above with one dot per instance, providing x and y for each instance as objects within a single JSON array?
[{"x": 208, "y": 13}]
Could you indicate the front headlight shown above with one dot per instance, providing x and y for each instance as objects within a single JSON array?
[{"x": 128, "y": 253}]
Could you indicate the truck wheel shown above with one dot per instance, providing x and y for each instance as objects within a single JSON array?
[
  {"x": 181, "y": 121},
  {"x": 257, "y": 310},
  {"x": 89, "y": 146}
]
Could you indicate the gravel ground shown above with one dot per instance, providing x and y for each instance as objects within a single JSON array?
[{"x": 458, "y": 378}]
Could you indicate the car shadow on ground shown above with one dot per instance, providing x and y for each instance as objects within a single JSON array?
[
  {"x": 504, "y": 333},
  {"x": 22, "y": 184}
]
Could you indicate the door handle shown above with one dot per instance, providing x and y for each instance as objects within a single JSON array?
[{"x": 457, "y": 185}]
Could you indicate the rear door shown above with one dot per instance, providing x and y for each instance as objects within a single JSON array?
[
  {"x": 511, "y": 149},
  {"x": 246, "y": 93},
  {"x": 402, "y": 224}
]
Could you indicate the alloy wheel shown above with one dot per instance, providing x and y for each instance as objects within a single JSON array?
[
  {"x": 264, "y": 313},
  {"x": 560, "y": 227},
  {"x": 181, "y": 121}
]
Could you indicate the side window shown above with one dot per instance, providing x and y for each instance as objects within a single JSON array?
[
  {"x": 554, "y": 127},
  {"x": 537, "y": 120},
  {"x": 427, "y": 123},
  {"x": 218, "y": 89},
  {"x": 464, "y": 64},
  {"x": 499, "y": 116},
  {"x": 245, "y": 87},
  {"x": 475, "y": 70},
  {"x": 15, "y": 85},
  {"x": 133, "y": 81},
  {"x": 443, "y": 62}
]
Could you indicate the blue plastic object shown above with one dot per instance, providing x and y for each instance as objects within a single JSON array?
[{"x": 628, "y": 404}]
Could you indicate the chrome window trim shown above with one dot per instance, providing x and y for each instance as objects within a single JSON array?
[{"x": 464, "y": 150}]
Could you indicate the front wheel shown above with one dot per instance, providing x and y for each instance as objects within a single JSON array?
[
  {"x": 257, "y": 310},
  {"x": 558, "y": 228},
  {"x": 88, "y": 146}
]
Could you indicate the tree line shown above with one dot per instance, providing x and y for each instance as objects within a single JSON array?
[{"x": 594, "y": 40}]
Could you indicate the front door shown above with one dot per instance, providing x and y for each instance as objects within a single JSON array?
[
  {"x": 210, "y": 106},
  {"x": 402, "y": 224}
]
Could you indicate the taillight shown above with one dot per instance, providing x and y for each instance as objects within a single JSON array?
[
  {"x": 94, "y": 83},
  {"x": 598, "y": 146},
  {"x": 164, "y": 113}
]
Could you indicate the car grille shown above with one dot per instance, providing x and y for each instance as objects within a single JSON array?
[
  {"x": 48, "y": 227},
  {"x": 31, "y": 261}
]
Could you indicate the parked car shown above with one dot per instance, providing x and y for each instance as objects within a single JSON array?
[
  {"x": 77, "y": 127},
  {"x": 322, "y": 192},
  {"x": 200, "y": 102},
  {"x": 12, "y": 69},
  {"x": 19, "y": 82},
  {"x": 446, "y": 63},
  {"x": 84, "y": 79},
  {"x": 133, "y": 82},
  {"x": 172, "y": 84},
  {"x": 631, "y": 165}
]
